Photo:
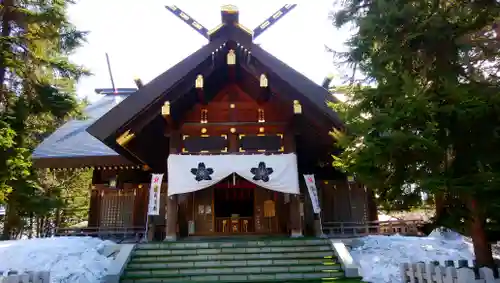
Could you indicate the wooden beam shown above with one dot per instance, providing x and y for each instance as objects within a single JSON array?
[
  {"x": 188, "y": 20},
  {"x": 138, "y": 83},
  {"x": 234, "y": 124},
  {"x": 273, "y": 19}
]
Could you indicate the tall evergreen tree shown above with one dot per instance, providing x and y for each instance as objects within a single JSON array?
[
  {"x": 37, "y": 91},
  {"x": 426, "y": 117}
]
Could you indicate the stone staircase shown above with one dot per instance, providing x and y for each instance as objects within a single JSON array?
[{"x": 266, "y": 260}]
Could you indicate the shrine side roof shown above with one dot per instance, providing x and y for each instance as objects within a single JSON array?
[{"x": 72, "y": 140}]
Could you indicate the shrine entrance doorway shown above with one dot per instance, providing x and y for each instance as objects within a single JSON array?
[{"x": 234, "y": 206}]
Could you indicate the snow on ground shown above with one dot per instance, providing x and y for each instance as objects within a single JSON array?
[
  {"x": 379, "y": 257},
  {"x": 385, "y": 217},
  {"x": 69, "y": 259}
]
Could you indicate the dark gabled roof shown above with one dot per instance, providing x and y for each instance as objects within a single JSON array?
[
  {"x": 119, "y": 116},
  {"x": 71, "y": 142},
  {"x": 315, "y": 93},
  {"x": 108, "y": 127}
]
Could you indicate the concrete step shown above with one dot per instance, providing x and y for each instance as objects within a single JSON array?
[
  {"x": 231, "y": 270},
  {"x": 233, "y": 277},
  {"x": 232, "y": 250},
  {"x": 244, "y": 256},
  {"x": 228, "y": 244},
  {"x": 234, "y": 263},
  {"x": 225, "y": 261},
  {"x": 310, "y": 280}
]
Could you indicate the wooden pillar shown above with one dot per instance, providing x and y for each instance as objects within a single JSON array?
[
  {"x": 294, "y": 214},
  {"x": 295, "y": 221},
  {"x": 94, "y": 208},
  {"x": 95, "y": 201},
  {"x": 171, "y": 211},
  {"x": 141, "y": 205},
  {"x": 171, "y": 216}
]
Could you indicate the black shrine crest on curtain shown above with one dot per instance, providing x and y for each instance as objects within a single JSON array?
[
  {"x": 202, "y": 173},
  {"x": 261, "y": 172}
]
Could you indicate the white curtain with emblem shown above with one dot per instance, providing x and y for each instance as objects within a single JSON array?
[{"x": 189, "y": 173}]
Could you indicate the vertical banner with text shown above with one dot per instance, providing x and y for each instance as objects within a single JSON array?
[
  {"x": 154, "y": 194},
  {"x": 313, "y": 192}
]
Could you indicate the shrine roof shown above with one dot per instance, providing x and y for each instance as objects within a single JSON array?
[
  {"x": 179, "y": 80},
  {"x": 97, "y": 136},
  {"x": 71, "y": 141}
]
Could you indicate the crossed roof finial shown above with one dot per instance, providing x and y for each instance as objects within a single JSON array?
[{"x": 230, "y": 14}]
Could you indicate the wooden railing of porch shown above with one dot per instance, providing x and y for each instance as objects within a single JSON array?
[
  {"x": 117, "y": 234},
  {"x": 354, "y": 229}
]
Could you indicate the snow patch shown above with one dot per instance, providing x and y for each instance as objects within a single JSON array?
[
  {"x": 379, "y": 257},
  {"x": 69, "y": 259}
]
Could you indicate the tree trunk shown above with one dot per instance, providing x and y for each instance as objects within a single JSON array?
[
  {"x": 30, "y": 234},
  {"x": 42, "y": 225},
  {"x": 439, "y": 201},
  {"x": 57, "y": 218},
  {"x": 6, "y": 30},
  {"x": 12, "y": 220},
  {"x": 482, "y": 248},
  {"x": 37, "y": 231},
  {"x": 372, "y": 205}
]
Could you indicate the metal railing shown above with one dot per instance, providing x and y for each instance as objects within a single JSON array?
[{"x": 353, "y": 229}]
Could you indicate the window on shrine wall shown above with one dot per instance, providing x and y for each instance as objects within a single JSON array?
[
  {"x": 204, "y": 143},
  {"x": 117, "y": 209},
  {"x": 261, "y": 143}
]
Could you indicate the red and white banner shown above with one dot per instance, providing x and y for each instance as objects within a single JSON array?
[
  {"x": 313, "y": 192},
  {"x": 154, "y": 194}
]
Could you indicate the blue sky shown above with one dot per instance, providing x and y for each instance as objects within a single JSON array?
[{"x": 143, "y": 40}]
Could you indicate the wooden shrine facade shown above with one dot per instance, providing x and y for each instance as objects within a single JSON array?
[
  {"x": 124, "y": 207},
  {"x": 230, "y": 98}
]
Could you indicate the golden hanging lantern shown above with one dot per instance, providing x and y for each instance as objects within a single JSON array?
[
  {"x": 231, "y": 57},
  {"x": 297, "y": 108},
  {"x": 263, "y": 81},
  {"x": 199, "y": 81},
  {"x": 165, "y": 109}
]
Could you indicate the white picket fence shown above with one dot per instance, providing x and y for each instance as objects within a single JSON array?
[
  {"x": 26, "y": 277},
  {"x": 435, "y": 273}
]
